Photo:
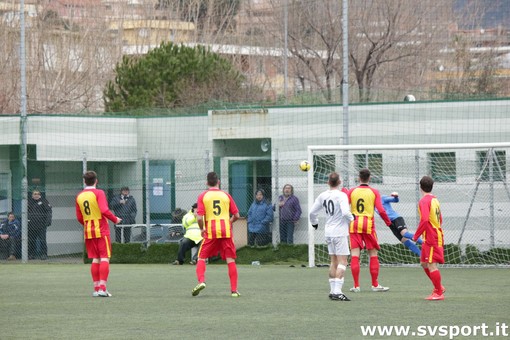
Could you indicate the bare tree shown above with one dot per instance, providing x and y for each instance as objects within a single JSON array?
[
  {"x": 470, "y": 61},
  {"x": 67, "y": 63},
  {"x": 395, "y": 38},
  {"x": 9, "y": 70},
  {"x": 214, "y": 19},
  {"x": 314, "y": 37},
  {"x": 389, "y": 41}
]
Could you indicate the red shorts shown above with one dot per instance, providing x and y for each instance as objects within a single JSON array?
[
  {"x": 362, "y": 241},
  {"x": 99, "y": 247},
  {"x": 211, "y": 247},
  {"x": 431, "y": 254}
]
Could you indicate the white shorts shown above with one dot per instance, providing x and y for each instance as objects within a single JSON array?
[{"x": 338, "y": 245}]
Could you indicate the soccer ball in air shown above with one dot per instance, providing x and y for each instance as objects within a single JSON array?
[{"x": 304, "y": 166}]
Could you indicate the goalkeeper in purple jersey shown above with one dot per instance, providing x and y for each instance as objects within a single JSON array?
[{"x": 398, "y": 224}]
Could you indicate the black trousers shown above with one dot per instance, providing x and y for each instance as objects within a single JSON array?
[
  {"x": 185, "y": 244},
  {"x": 118, "y": 234},
  {"x": 259, "y": 239},
  {"x": 11, "y": 246},
  {"x": 37, "y": 246}
]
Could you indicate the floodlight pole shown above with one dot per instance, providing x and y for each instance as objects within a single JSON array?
[
  {"x": 345, "y": 87},
  {"x": 147, "y": 200},
  {"x": 286, "y": 49},
  {"x": 84, "y": 165},
  {"x": 23, "y": 136}
]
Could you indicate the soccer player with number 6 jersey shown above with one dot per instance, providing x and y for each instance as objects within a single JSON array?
[
  {"x": 364, "y": 200},
  {"x": 93, "y": 213}
]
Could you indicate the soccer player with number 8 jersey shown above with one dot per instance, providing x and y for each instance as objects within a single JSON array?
[{"x": 93, "y": 213}]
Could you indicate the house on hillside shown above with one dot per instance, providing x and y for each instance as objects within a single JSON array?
[{"x": 147, "y": 32}]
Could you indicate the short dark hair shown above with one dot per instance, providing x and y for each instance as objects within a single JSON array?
[
  {"x": 364, "y": 175},
  {"x": 426, "y": 184},
  {"x": 124, "y": 189},
  {"x": 212, "y": 179},
  {"x": 334, "y": 179},
  {"x": 90, "y": 177}
]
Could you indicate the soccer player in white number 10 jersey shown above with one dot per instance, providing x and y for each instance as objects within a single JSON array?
[{"x": 335, "y": 205}]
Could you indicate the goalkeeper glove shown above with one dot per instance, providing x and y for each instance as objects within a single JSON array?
[{"x": 315, "y": 226}]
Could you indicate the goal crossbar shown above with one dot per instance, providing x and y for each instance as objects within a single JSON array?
[{"x": 312, "y": 148}]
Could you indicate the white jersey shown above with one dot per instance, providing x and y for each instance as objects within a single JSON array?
[{"x": 336, "y": 206}]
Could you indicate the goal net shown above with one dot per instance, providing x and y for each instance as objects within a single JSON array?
[{"x": 471, "y": 183}]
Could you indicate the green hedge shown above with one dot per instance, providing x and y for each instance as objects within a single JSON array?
[
  {"x": 491, "y": 257},
  {"x": 138, "y": 253},
  {"x": 298, "y": 254},
  {"x": 282, "y": 254}
]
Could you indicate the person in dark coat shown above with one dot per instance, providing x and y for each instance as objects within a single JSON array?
[
  {"x": 124, "y": 206},
  {"x": 39, "y": 219},
  {"x": 10, "y": 236}
]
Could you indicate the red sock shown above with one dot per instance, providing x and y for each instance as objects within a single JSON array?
[
  {"x": 355, "y": 270},
  {"x": 374, "y": 270},
  {"x": 200, "y": 270},
  {"x": 104, "y": 271},
  {"x": 232, "y": 273},
  {"x": 427, "y": 271},
  {"x": 435, "y": 277},
  {"x": 94, "y": 270}
]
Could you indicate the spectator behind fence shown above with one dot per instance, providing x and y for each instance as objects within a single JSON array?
[
  {"x": 192, "y": 236},
  {"x": 290, "y": 212},
  {"x": 124, "y": 206},
  {"x": 10, "y": 237},
  {"x": 39, "y": 219},
  {"x": 260, "y": 216}
]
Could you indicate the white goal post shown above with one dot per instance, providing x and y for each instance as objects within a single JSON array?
[{"x": 471, "y": 182}]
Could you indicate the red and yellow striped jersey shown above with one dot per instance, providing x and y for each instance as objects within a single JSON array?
[
  {"x": 431, "y": 220},
  {"x": 92, "y": 212},
  {"x": 216, "y": 206},
  {"x": 364, "y": 199}
]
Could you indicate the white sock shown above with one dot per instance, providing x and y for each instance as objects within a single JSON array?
[
  {"x": 332, "y": 286},
  {"x": 339, "y": 283}
]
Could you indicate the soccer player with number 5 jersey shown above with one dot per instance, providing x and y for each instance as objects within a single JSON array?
[
  {"x": 93, "y": 213},
  {"x": 216, "y": 212}
]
